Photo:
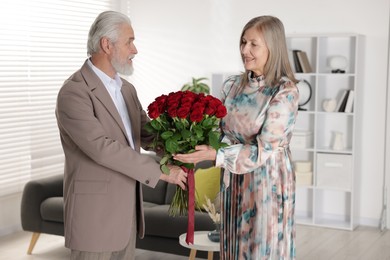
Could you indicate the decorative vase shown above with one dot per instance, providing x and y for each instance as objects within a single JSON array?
[
  {"x": 215, "y": 234},
  {"x": 338, "y": 63},
  {"x": 337, "y": 141},
  {"x": 329, "y": 105}
]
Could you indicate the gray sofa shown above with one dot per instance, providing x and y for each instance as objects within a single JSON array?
[{"x": 42, "y": 212}]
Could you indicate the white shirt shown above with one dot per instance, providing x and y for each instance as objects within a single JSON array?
[{"x": 113, "y": 87}]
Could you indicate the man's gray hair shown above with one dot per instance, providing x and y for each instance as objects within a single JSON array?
[{"x": 105, "y": 25}]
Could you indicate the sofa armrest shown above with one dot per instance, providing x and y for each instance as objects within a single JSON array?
[
  {"x": 204, "y": 165},
  {"x": 34, "y": 193}
]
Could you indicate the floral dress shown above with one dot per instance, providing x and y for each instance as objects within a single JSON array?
[{"x": 258, "y": 188}]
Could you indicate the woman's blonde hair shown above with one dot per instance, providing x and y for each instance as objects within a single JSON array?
[{"x": 277, "y": 65}]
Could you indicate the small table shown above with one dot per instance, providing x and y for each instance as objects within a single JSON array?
[{"x": 201, "y": 242}]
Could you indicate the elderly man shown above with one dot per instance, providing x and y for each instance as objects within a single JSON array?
[{"x": 101, "y": 125}]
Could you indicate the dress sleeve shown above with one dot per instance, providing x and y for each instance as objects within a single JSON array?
[
  {"x": 228, "y": 85},
  {"x": 278, "y": 125}
]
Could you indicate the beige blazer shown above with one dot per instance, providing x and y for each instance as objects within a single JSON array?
[{"x": 102, "y": 172}]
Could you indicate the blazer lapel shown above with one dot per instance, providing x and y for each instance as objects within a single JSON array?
[
  {"x": 101, "y": 93},
  {"x": 133, "y": 111}
]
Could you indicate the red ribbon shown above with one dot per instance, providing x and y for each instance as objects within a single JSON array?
[{"x": 191, "y": 205}]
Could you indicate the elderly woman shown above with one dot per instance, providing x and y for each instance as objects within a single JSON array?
[{"x": 258, "y": 189}]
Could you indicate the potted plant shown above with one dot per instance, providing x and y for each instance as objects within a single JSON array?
[{"x": 197, "y": 86}]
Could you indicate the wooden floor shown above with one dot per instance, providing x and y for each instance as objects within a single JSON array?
[{"x": 313, "y": 243}]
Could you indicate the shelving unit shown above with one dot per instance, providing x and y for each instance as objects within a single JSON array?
[{"x": 332, "y": 198}]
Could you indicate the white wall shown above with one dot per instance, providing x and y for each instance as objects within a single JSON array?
[
  {"x": 387, "y": 157},
  {"x": 180, "y": 39},
  {"x": 10, "y": 213}
]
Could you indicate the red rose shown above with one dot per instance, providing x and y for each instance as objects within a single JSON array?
[
  {"x": 186, "y": 104},
  {"x": 153, "y": 110},
  {"x": 196, "y": 116},
  {"x": 216, "y": 101},
  {"x": 212, "y": 106},
  {"x": 198, "y": 106},
  {"x": 172, "y": 103},
  {"x": 183, "y": 112},
  {"x": 174, "y": 96},
  {"x": 172, "y": 111},
  {"x": 209, "y": 97},
  {"x": 161, "y": 101},
  {"x": 188, "y": 96},
  {"x": 210, "y": 110},
  {"x": 221, "y": 111},
  {"x": 201, "y": 95}
]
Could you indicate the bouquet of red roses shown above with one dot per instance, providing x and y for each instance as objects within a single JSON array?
[{"x": 181, "y": 120}]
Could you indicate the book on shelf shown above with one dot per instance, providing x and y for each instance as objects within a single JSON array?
[
  {"x": 297, "y": 64},
  {"x": 349, "y": 104},
  {"x": 342, "y": 101},
  {"x": 301, "y": 62},
  {"x": 291, "y": 59},
  {"x": 304, "y": 62}
]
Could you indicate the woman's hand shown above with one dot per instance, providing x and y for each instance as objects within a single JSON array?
[{"x": 202, "y": 153}]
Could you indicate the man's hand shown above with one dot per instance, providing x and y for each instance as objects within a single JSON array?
[{"x": 176, "y": 176}]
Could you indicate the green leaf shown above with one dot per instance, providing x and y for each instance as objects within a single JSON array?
[
  {"x": 165, "y": 169},
  {"x": 149, "y": 128},
  {"x": 166, "y": 135},
  {"x": 208, "y": 122},
  {"x": 179, "y": 125},
  {"x": 171, "y": 145},
  {"x": 198, "y": 132},
  {"x": 183, "y": 147},
  {"x": 177, "y": 136},
  {"x": 195, "y": 140},
  {"x": 185, "y": 133},
  {"x": 164, "y": 160},
  {"x": 197, "y": 86},
  {"x": 156, "y": 125},
  {"x": 214, "y": 139},
  {"x": 200, "y": 79},
  {"x": 189, "y": 165}
]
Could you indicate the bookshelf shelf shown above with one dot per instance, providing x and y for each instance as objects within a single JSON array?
[{"x": 329, "y": 205}]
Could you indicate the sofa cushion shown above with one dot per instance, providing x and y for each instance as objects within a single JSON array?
[
  {"x": 171, "y": 190},
  {"x": 207, "y": 183},
  {"x": 149, "y": 204},
  {"x": 159, "y": 223},
  {"x": 52, "y": 209},
  {"x": 155, "y": 195}
]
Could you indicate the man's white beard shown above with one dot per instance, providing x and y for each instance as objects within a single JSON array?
[{"x": 124, "y": 69}]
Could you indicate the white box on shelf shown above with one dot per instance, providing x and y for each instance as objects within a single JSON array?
[
  {"x": 303, "y": 166},
  {"x": 334, "y": 171},
  {"x": 301, "y": 139},
  {"x": 304, "y": 178}
]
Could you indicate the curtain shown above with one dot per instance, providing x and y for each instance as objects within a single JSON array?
[{"x": 42, "y": 42}]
